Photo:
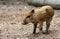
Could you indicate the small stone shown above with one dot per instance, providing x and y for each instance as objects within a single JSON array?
[
  {"x": 20, "y": 9},
  {"x": 13, "y": 23},
  {"x": 18, "y": 38},
  {"x": 0, "y": 31},
  {"x": 7, "y": 36},
  {"x": 1, "y": 35}
]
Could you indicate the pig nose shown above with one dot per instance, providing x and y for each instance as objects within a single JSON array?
[{"x": 24, "y": 23}]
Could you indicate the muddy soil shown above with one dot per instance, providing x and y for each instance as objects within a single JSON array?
[{"x": 11, "y": 17}]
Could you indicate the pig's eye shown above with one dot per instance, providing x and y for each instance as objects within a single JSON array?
[{"x": 28, "y": 16}]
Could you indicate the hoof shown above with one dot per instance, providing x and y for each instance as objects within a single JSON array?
[
  {"x": 45, "y": 32},
  {"x": 34, "y": 33}
]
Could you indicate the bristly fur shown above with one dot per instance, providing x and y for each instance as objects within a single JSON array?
[{"x": 43, "y": 14}]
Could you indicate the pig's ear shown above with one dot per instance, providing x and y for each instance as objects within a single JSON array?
[
  {"x": 47, "y": 10},
  {"x": 32, "y": 11}
]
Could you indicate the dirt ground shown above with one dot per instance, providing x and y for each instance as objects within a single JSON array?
[{"x": 11, "y": 17}]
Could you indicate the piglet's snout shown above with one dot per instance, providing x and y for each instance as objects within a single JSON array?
[{"x": 24, "y": 23}]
